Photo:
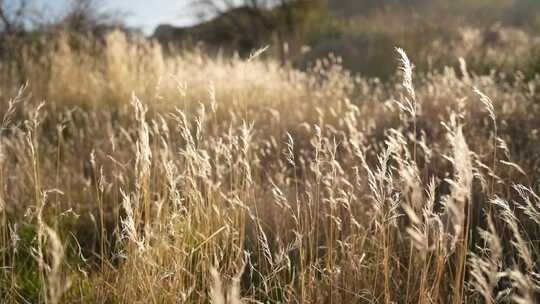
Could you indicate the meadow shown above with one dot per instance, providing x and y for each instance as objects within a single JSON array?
[{"x": 131, "y": 176}]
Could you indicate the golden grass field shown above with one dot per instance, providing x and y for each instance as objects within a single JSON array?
[{"x": 128, "y": 176}]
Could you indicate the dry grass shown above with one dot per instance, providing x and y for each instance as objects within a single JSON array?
[{"x": 188, "y": 179}]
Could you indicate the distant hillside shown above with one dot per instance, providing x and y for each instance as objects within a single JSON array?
[
  {"x": 226, "y": 28},
  {"x": 365, "y": 32}
]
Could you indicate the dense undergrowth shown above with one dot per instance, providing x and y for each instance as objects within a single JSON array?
[{"x": 189, "y": 179}]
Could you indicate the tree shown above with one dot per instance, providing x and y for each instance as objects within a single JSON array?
[
  {"x": 24, "y": 31},
  {"x": 257, "y": 19},
  {"x": 17, "y": 17},
  {"x": 83, "y": 16},
  {"x": 13, "y": 16}
]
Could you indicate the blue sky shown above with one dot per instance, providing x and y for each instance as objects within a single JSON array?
[{"x": 144, "y": 14}]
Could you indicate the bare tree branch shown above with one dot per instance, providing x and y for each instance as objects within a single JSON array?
[{"x": 13, "y": 19}]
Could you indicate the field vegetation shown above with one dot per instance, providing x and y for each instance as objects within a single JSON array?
[{"x": 131, "y": 176}]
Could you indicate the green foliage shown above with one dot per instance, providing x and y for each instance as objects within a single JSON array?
[{"x": 27, "y": 278}]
